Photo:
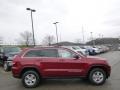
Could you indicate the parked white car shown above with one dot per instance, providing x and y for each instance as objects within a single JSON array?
[
  {"x": 97, "y": 50},
  {"x": 102, "y": 48},
  {"x": 77, "y": 49},
  {"x": 89, "y": 49},
  {"x": 119, "y": 48}
]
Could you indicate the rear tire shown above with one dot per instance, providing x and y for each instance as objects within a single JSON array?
[
  {"x": 30, "y": 79},
  {"x": 97, "y": 76}
]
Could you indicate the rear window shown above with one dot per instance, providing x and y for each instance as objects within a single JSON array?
[
  {"x": 11, "y": 49},
  {"x": 42, "y": 53}
]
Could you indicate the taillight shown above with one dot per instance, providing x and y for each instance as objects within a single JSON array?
[{"x": 15, "y": 64}]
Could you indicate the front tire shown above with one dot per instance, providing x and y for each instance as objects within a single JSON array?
[
  {"x": 6, "y": 67},
  {"x": 97, "y": 76},
  {"x": 30, "y": 79}
]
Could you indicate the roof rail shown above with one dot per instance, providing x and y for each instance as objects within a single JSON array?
[{"x": 46, "y": 46}]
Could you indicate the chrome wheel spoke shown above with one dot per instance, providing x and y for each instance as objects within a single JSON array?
[
  {"x": 98, "y": 77},
  {"x": 30, "y": 79}
]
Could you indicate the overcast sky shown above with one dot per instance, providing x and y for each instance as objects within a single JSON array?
[{"x": 97, "y": 16}]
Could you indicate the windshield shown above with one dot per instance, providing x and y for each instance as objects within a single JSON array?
[{"x": 11, "y": 49}]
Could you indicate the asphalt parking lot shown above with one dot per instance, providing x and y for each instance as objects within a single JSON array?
[{"x": 7, "y": 82}]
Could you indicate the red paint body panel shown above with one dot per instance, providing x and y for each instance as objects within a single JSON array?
[{"x": 57, "y": 67}]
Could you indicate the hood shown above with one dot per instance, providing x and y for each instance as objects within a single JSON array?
[
  {"x": 94, "y": 57},
  {"x": 12, "y": 54},
  {"x": 96, "y": 60}
]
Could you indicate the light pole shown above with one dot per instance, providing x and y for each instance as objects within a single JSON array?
[
  {"x": 83, "y": 34},
  {"x": 56, "y": 30},
  {"x": 92, "y": 38},
  {"x": 32, "y": 10}
]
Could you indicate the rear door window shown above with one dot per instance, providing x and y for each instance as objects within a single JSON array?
[{"x": 42, "y": 53}]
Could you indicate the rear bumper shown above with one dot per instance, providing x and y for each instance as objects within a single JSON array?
[{"x": 15, "y": 72}]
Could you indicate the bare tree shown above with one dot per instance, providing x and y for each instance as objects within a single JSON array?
[
  {"x": 26, "y": 38},
  {"x": 48, "y": 40}
]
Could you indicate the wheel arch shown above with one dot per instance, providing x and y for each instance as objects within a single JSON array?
[
  {"x": 98, "y": 66},
  {"x": 29, "y": 68}
]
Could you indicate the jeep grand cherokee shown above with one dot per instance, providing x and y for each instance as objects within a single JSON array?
[{"x": 34, "y": 64}]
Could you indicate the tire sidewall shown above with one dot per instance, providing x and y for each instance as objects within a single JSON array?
[
  {"x": 37, "y": 79},
  {"x": 5, "y": 66},
  {"x": 91, "y": 75}
]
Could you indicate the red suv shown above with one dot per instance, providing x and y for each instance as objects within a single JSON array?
[{"x": 34, "y": 64}]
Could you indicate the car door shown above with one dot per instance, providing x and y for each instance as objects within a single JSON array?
[
  {"x": 45, "y": 59},
  {"x": 49, "y": 62},
  {"x": 69, "y": 65}
]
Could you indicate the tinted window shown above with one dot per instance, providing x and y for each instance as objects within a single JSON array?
[
  {"x": 11, "y": 49},
  {"x": 32, "y": 53},
  {"x": 42, "y": 53},
  {"x": 49, "y": 53},
  {"x": 65, "y": 54}
]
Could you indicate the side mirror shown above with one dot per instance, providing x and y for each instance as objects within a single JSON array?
[{"x": 76, "y": 56}]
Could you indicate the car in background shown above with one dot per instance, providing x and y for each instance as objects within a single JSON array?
[
  {"x": 101, "y": 48},
  {"x": 96, "y": 49},
  {"x": 36, "y": 64},
  {"x": 7, "y": 54},
  {"x": 105, "y": 48},
  {"x": 89, "y": 49},
  {"x": 119, "y": 48},
  {"x": 78, "y": 49}
]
